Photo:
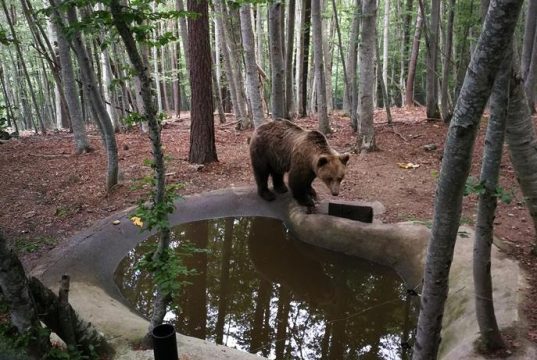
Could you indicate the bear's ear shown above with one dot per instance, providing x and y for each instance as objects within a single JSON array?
[
  {"x": 344, "y": 158},
  {"x": 323, "y": 160}
]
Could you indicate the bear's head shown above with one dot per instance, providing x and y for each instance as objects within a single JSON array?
[{"x": 331, "y": 170}]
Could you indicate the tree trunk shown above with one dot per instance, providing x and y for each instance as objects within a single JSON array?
[
  {"x": 202, "y": 141},
  {"x": 350, "y": 96},
  {"x": 492, "y": 44},
  {"x": 22, "y": 308},
  {"x": 261, "y": 303},
  {"x": 276, "y": 62},
  {"x": 522, "y": 140},
  {"x": 55, "y": 310},
  {"x": 327, "y": 31},
  {"x": 317, "y": 35},
  {"x": 150, "y": 116},
  {"x": 530, "y": 82},
  {"x": 24, "y": 68},
  {"x": 409, "y": 91},
  {"x": 230, "y": 62},
  {"x": 385, "y": 44},
  {"x": 444, "y": 97},
  {"x": 530, "y": 30},
  {"x": 252, "y": 77},
  {"x": 347, "y": 94},
  {"x": 432, "y": 61},
  {"x": 366, "y": 131},
  {"x": 304, "y": 59},
  {"x": 405, "y": 49},
  {"x": 289, "y": 97},
  {"x": 91, "y": 90},
  {"x": 490, "y": 169}
]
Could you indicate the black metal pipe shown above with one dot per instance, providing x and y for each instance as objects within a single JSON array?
[{"x": 164, "y": 342}]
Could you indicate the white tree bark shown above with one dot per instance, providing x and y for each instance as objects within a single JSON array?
[{"x": 252, "y": 78}]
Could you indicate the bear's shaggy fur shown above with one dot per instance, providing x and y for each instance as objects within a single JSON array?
[{"x": 278, "y": 147}]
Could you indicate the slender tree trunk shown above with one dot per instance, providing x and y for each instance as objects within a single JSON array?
[
  {"x": 289, "y": 97},
  {"x": 351, "y": 93},
  {"x": 348, "y": 94},
  {"x": 405, "y": 49},
  {"x": 530, "y": 31},
  {"x": 24, "y": 69},
  {"x": 261, "y": 303},
  {"x": 303, "y": 88},
  {"x": 530, "y": 82},
  {"x": 385, "y": 43},
  {"x": 202, "y": 141},
  {"x": 91, "y": 90},
  {"x": 327, "y": 31},
  {"x": 252, "y": 78},
  {"x": 432, "y": 62},
  {"x": 490, "y": 169},
  {"x": 496, "y": 36},
  {"x": 412, "y": 64},
  {"x": 522, "y": 140},
  {"x": 150, "y": 116},
  {"x": 444, "y": 97},
  {"x": 175, "y": 49},
  {"x": 276, "y": 61},
  {"x": 366, "y": 131},
  {"x": 21, "y": 305},
  {"x": 317, "y": 35}
]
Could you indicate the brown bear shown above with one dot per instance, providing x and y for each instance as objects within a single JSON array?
[{"x": 280, "y": 146}]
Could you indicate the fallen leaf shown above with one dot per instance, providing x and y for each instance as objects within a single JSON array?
[
  {"x": 408, "y": 165},
  {"x": 137, "y": 221},
  {"x": 116, "y": 222}
]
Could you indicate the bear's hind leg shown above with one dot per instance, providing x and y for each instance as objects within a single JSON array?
[
  {"x": 279, "y": 185},
  {"x": 261, "y": 173}
]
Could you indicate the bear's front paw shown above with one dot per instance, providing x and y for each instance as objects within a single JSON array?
[
  {"x": 281, "y": 189},
  {"x": 267, "y": 195}
]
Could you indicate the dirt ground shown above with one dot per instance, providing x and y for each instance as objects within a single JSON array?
[{"x": 48, "y": 193}]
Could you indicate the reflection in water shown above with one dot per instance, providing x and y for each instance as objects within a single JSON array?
[{"x": 257, "y": 289}]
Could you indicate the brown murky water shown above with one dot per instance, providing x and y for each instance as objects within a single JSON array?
[{"x": 257, "y": 289}]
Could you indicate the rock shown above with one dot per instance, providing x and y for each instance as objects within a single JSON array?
[
  {"x": 4, "y": 135},
  {"x": 430, "y": 147}
]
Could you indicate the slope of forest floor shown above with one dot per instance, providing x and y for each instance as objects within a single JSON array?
[{"x": 48, "y": 193}]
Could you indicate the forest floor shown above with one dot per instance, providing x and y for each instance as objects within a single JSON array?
[{"x": 48, "y": 193}]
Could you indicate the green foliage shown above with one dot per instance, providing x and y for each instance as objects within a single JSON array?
[
  {"x": 31, "y": 245},
  {"x": 474, "y": 186},
  {"x": 4, "y": 39}
]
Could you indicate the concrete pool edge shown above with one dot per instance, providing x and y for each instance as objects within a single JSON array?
[{"x": 92, "y": 256}]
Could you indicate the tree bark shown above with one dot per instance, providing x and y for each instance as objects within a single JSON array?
[
  {"x": 432, "y": 62},
  {"x": 252, "y": 77},
  {"x": 366, "y": 131},
  {"x": 522, "y": 140},
  {"x": 97, "y": 104},
  {"x": 530, "y": 30},
  {"x": 289, "y": 98},
  {"x": 490, "y": 169},
  {"x": 444, "y": 97},
  {"x": 276, "y": 62},
  {"x": 304, "y": 59},
  {"x": 24, "y": 68},
  {"x": 530, "y": 81},
  {"x": 496, "y": 36},
  {"x": 202, "y": 141},
  {"x": 22, "y": 308},
  {"x": 351, "y": 94},
  {"x": 409, "y": 91},
  {"x": 317, "y": 35},
  {"x": 385, "y": 44}
]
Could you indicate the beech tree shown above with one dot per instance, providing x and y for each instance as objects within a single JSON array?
[
  {"x": 495, "y": 38},
  {"x": 366, "y": 131}
]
